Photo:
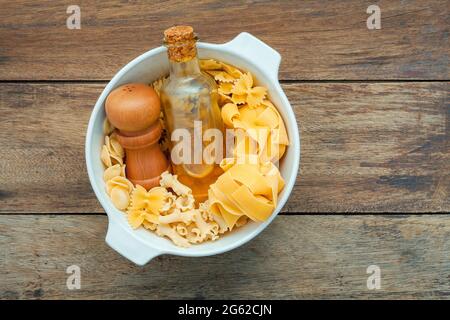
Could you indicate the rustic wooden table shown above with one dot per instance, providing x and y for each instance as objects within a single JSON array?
[{"x": 372, "y": 106}]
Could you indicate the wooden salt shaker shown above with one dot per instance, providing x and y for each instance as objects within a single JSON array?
[{"x": 134, "y": 110}]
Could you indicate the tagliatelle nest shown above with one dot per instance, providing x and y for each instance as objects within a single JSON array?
[{"x": 247, "y": 190}]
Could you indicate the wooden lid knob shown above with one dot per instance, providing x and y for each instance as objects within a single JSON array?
[{"x": 133, "y": 107}]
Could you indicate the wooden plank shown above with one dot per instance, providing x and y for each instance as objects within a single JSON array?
[
  {"x": 317, "y": 39},
  {"x": 296, "y": 257},
  {"x": 373, "y": 147},
  {"x": 381, "y": 147}
]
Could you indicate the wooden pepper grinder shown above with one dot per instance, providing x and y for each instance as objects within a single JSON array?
[{"x": 134, "y": 110}]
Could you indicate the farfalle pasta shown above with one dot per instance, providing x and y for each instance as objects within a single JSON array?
[
  {"x": 172, "y": 215},
  {"x": 248, "y": 188},
  {"x": 151, "y": 200},
  {"x": 243, "y": 91},
  {"x": 247, "y": 107}
]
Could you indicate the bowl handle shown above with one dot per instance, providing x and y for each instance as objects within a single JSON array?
[
  {"x": 127, "y": 245},
  {"x": 253, "y": 49}
]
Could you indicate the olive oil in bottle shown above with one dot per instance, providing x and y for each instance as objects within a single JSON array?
[{"x": 189, "y": 97}]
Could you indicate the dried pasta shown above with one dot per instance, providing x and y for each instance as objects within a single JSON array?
[
  {"x": 120, "y": 198},
  {"x": 247, "y": 190},
  {"x": 108, "y": 128},
  {"x": 164, "y": 230},
  {"x": 151, "y": 201},
  {"x": 171, "y": 181},
  {"x": 246, "y": 107},
  {"x": 244, "y": 92},
  {"x": 109, "y": 158},
  {"x": 178, "y": 216},
  {"x": 113, "y": 171}
]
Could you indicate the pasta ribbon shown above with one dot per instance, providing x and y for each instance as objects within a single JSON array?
[
  {"x": 263, "y": 124},
  {"x": 247, "y": 189}
]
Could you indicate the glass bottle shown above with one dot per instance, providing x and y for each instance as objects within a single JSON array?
[{"x": 189, "y": 96}]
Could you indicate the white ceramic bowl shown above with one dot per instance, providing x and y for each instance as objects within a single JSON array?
[{"x": 244, "y": 51}]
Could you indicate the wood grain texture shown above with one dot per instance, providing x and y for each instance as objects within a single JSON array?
[
  {"x": 373, "y": 147},
  {"x": 317, "y": 39},
  {"x": 379, "y": 147},
  {"x": 297, "y": 257}
]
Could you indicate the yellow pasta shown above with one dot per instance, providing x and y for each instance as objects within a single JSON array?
[
  {"x": 113, "y": 171},
  {"x": 210, "y": 64},
  {"x": 214, "y": 231},
  {"x": 238, "y": 98},
  {"x": 241, "y": 221},
  {"x": 157, "y": 85},
  {"x": 149, "y": 225},
  {"x": 169, "y": 204},
  {"x": 204, "y": 211},
  {"x": 104, "y": 156},
  {"x": 233, "y": 71},
  {"x": 178, "y": 216},
  {"x": 181, "y": 229},
  {"x": 109, "y": 158},
  {"x": 171, "y": 181},
  {"x": 244, "y": 92},
  {"x": 222, "y": 76},
  {"x": 138, "y": 217},
  {"x": 116, "y": 148},
  {"x": 247, "y": 190},
  {"x": 193, "y": 234},
  {"x": 225, "y": 89},
  {"x": 206, "y": 229},
  {"x": 151, "y": 201},
  {"x": 185, "y": 203},
  {"x": 120, "y": 197},
  {"x": 222, "y": 224},
  {"x": 224, "y": 98},
  {"x": 119, "y": 181},
  {"x": 164, "y": 230},
  {"x": 108, "y": 128},
  {"x": 263, "y": 124}
]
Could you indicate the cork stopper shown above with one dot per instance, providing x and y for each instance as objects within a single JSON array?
[{"x": 180, "y": 42}]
